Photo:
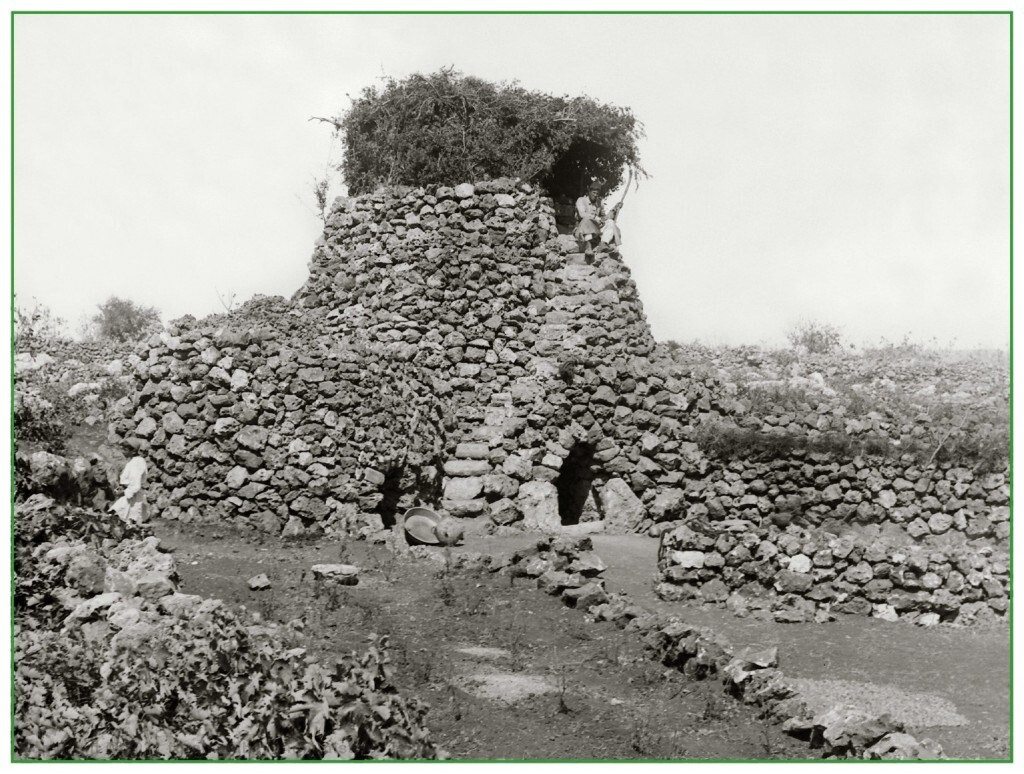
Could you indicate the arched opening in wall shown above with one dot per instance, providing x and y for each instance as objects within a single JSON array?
[
  {"x": 392, "y": 489},
  {"x": 574, "y": 482}
]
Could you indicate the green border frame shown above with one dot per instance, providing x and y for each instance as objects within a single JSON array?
[{"x": 14, "y": 13}]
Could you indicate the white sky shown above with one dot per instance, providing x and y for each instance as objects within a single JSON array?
[{"x": 852, "y": 170}]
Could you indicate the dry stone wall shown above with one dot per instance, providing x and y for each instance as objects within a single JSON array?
[
  {"x": 258, "y": 416},
  {"x": 452, "y": 325},
  {"x": 944, "y": 501},
  {"x": 809, "y": 574},
  {"x": 543, "y": 352},
  {"x": 789, "y": 480},
  {"x": 451, "y": 349}
]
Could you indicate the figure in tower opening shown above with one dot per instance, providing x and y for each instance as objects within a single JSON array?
[{"x": 593, "y": 225}]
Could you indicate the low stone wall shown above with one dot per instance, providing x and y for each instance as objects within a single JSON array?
[
  {"x": 568, "y": 566},
  {"x": 753, "y": 676},
  {"x": 809, "y": 574}
]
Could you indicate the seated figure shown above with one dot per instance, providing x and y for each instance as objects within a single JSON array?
[{"x": 593, "y": 226}]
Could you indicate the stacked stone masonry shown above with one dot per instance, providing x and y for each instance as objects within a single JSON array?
[
  {"x": 943, "y": 500},
  {"x": 810, "y": 572},
  {"x": 545, "y": 406},
  {"x": 259, "y": 417},
  {"x": 451, "y": 349}
]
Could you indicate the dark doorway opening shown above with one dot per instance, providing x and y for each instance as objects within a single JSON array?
[
  {"x": 574, "y": 481},
  {"x": 391, "y": 490},
  {"x": 568, "y": 178}
]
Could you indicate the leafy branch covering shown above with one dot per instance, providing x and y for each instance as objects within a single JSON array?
[{"x": 446, "y": 128}]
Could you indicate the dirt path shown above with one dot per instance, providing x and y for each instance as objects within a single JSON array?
[{"x": 910, "y": 670}]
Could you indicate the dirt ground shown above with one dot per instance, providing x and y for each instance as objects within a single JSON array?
[
  {"x": 509, "y": 672},
  {"x": 948, "y": 683}
]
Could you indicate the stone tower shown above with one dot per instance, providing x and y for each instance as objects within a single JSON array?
[{"x": 449, "y": 348}]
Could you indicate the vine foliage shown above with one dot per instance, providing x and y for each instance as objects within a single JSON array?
[{"x": 446, "y": 128}]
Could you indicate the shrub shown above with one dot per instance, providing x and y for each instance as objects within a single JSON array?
[
  {"x": 35, "y": 327},
  {"x": 45, "y": 416},
  {"x": 122, "y": 320},
  {"x": 729, "y": 442},
  {"x": 816, "y": 338},
  {"x": 36, "y": 525},
  {"x": 446, "y": 128},
  {"x": 208, "y": 687}
]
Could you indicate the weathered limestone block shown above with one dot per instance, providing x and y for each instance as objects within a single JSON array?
[
  {"x": 688, "y": 559},
  {"x": 472, "y": 451},
  {"x": 621, "y": 508},
  {"x": 465, "y": 508},
  {"x": 667, "y": 506},
  {"x": 500, "y": 485},
  {"x": 585, "y": 597},
  {"x": 504, "y": 512},
  {"x": 518, "y": 467},
  {"x": 800, "y": 563},
  {"x": 340, "y": 574},
  {"x": 467, "y": 467},
  {"x": 538, "y": 501},
  {"x": 468, "y": 488},
  {"x": 789, "y": 582}
]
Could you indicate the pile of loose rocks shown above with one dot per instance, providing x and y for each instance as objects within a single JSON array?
[
  {"x": 809, "y": 574},
  {"x": 562, "y": 565}
]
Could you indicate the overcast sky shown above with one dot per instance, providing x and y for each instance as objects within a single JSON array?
[{"x": 852, "y": 170}]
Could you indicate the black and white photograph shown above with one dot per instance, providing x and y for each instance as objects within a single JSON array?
[{"x": 537, "y": 384}]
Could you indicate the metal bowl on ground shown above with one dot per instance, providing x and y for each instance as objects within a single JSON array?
[{"x": 419, "y": 525}]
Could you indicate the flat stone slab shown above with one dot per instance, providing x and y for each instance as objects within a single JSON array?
[
  {"x": 344, "y": 574},
  {"x": 472, "y": 451},
  {"x": 467, "y": 467},
  {"x": 479, "y": 651}
]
